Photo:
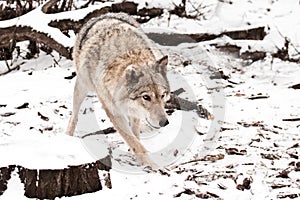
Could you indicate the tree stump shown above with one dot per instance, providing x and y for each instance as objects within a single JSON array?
[{"x": 52, "y": 183}]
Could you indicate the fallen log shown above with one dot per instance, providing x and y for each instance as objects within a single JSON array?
[
  {"x": 52, "y": 183},
  {"x": 65, "y": 25},
  {"x": 253, "y": 56},
  {"x": 142, "y": 15},
  {"x": 245, "y": 34},
  {"x": 174, "y": 39},
  {"x": 236, "y": 50},
  {"x": 23, "y": 33}
]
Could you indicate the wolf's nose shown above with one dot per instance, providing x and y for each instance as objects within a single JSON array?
[{"x": 163, "y": 122}]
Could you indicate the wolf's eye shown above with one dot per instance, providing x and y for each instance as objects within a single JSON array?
[
  {"x": 163, "y": 96},
  {"x": 147, "y": 97}
]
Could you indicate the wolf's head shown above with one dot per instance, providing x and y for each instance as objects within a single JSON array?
[{"x": 148, "y": 90}]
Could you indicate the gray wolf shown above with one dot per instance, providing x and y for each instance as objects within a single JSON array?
[{"x": 115, "y": 59}]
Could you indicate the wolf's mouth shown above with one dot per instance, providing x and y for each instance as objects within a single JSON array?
[{"x": 151, "y": 126}]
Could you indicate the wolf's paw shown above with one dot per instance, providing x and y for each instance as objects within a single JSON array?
[{"x": 145, "y": 161}]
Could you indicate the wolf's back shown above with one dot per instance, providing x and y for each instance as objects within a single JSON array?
[{"x": 82, "y": 35}]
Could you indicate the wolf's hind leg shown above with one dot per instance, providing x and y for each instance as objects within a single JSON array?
[{"x": 80, "y": 92}]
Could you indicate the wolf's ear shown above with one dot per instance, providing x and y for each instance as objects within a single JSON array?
[
  {"x": 161, "y": 65},
  {"x": 163, "y": 61},
  {"x": 133, "y": 75}
]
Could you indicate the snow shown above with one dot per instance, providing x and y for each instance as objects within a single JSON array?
[{"x": 28, "y": 140}]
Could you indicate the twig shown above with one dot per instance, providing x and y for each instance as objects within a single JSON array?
[
  {"x": 291, "y": 120},
  {"x": 184, "y": 163},
  {"x": 104, "y": 131},
  {"x": 211, "y": 158},
  {"x": 178, "y": 91},
  {"x": 197, "y": 10},
  {"x": 10, "y": 70},
  {"x": 259, "y": 97}
]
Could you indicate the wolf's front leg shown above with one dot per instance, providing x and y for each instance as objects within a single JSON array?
[
  {"x": 135, "y": 127},
  {"x": 144, "y": 160},
  {"x": 121, "y": 124},
  {"x": 79, "y": 94}
]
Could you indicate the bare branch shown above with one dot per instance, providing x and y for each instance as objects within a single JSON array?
[{"x": 46, "y": 8}]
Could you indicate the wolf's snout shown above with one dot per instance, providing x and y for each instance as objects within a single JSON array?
[{"x": 163, "y": 122}]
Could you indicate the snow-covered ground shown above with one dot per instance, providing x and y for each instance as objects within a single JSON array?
[{"x": 247, "y": 141}]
